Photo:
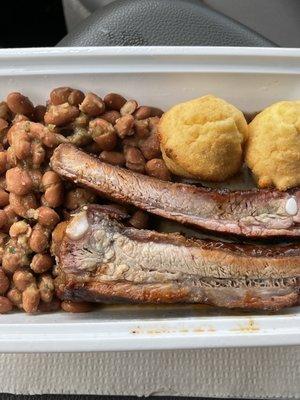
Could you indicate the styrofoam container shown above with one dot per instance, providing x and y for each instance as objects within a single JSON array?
[{"x": 250, "y": 78}]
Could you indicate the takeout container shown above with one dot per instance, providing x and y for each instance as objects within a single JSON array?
[{"x": 250, "y": 78}]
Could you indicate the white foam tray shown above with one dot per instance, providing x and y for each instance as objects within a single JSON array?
[{"x": 251, "y": 78}]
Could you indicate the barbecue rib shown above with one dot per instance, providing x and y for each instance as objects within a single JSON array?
[
  {"x": 101, "y": 259},
  {"x": 256, "y": 213}
]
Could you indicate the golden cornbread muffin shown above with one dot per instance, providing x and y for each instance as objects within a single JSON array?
[
  {"x": 273, "y": 148},
  {"x": 203, "y": 139}
]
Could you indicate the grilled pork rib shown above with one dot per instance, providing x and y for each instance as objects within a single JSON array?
[
  {"x": 101, "y": 259},
  {"x": 255, "y": 213}
]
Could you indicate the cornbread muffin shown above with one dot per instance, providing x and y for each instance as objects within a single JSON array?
[
  {"x": 203, "y": 139},
  {"x": 273, "y": 148}
]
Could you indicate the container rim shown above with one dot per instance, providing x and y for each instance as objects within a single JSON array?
[
  {"x": 67, "y": 60},
  {"x": 152, "y": 50}
]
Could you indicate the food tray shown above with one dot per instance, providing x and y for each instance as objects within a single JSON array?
[{"x": 250, "y": 78}]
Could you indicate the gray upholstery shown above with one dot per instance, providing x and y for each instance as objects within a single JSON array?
[{"x": 157, "y": 22}]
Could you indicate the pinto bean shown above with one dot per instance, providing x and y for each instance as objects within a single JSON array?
[
  {"x": 39, "y": 113},
  {"x": 112, "y": 157},
  {"x": 26, "y": 137},
  {"x": 3, "y": 219},
  {"x": 134, "y": 159},
  {"x": 22, "y": 279},
  {"x": 99, "y": 126},
  {"x": 3, "y": 124},
  {"x": 47, "y": 216},
  {"x": 46, "y": 288},
  {"x": 3, "y": 161},
  {"x": 4, "y": 111},
  {"x": 15, "y": 296},
  {"x": 114, "y": 101},
  {"x": 18, "y": 181},
  {"x": 36, "y": 177},
  {"x": 141, "y": 128},
  {"x": 92, "y": 105},
  {"x": 129, "y": 107},
  {"x": 10, "y": 215},
  {"x": 5, "y": 305},
  {"x": 153, "y": 124},
  {"x": 22, "y": 139},
  {"x": 76, "y": 97},
  {"x": 61, "y": 114},
  {"x": 31, "y": 299},
  {"x": 41, "y": 263},
  {"x": 19, "y": 104},
  {"x": 19, "y": 228},
  {"x": 12, "y": 160},
  {"x": 103, "y": 133},
  {"x": 107, "y": 141},
  {"x": 4, "y": 282},
  {"x": 124, "y": 126},
  {"x": 38, "y": 154},
  {"x": 60, "y": 95},
  {"x": 53, "y": 188},
  {"x": 22, "y": 205},
  {"x": 111, "y": 116},
  {"x": 156, "y": 112},
  {"x": 14, "y": 257},
  {"x": 130, "y": 141},
  {"x": 39, "y": 239},
  {"x": 150, "y": 147},
  {"x": 142, "y": 112},
  {"x": 158, "y": 169},
  {"x": 4, "y": 198},
  {"x": 3, "y": 182}
]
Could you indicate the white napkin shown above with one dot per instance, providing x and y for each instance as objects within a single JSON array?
[{"x": 244, "y": 373}]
